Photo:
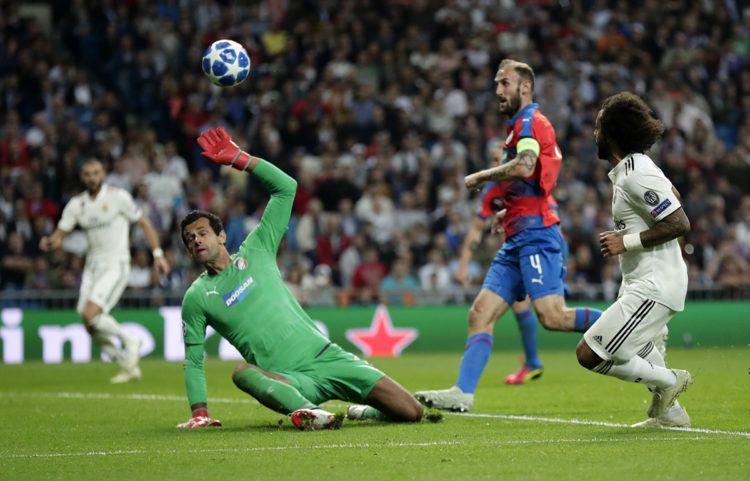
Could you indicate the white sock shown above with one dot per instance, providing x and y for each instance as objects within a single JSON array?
[
  {"x": 102, "y": 335},
  {"x": 637, "y": 369},
  {"x": 106, "y": 345},
  {"x": 108, "y": 325},
  {"x": 104, "y": 328},
  {"x": 652, "y": 355}
]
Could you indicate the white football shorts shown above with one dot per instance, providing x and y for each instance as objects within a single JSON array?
[
  {"x": 103, "y": 283},
  {"x": 627, "y": 326}
]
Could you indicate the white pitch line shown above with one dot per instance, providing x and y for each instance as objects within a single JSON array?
[
  {"x": 511, "y": 417},
  {"x": 587, "y": 422},
  {"x": 485, "y": 442}
]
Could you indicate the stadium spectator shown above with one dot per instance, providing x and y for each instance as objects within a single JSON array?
[
  {"x": 15, "y": 264},
  {"x": 400, "y": 285},
  {"x": 435, "y": 275},
  {"x": 367, "y": 276}
]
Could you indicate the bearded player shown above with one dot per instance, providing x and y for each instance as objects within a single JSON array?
[
  {"x": 291, "y": 367},
  {"x": 531, "y": 259},
  {"x": 105, "y": 213},
  {"x": 492, "y": 207}
]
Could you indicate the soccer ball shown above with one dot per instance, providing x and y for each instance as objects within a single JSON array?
[{"x": 226, "y": 63}]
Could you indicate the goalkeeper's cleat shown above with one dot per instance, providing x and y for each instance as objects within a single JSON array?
[
  {"x": 453, "y": 399},
  {"x": 356, "y": 412},
  {"x": 126, "y": 375},
  {"x": 524, "y": 374},
  {"x": 675, "y": 417},
  {"x": 131, "y": 354},
  {"x": 316, "y": 419},
  {"x": 663, "y": 399}
]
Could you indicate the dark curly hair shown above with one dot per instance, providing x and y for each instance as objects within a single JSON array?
[
  {"x": 629, "y": 123},
  {"x": 194, "y": 215}
]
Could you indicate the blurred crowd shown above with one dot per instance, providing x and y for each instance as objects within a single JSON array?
[{"x": 379, "y": 109}]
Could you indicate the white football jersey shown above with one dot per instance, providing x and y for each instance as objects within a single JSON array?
[
  {"x": 106, "y": 220},
  {"x": 642, "y": 197}
]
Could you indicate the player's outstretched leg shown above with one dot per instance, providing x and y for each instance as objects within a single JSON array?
[
  {"x": 487, "y": 307},
  {"x": 270, "y": 389},
  {"x": 274, "y": 392},
  {"x": 388, "y": 401},
  {"x": 668, "y": 383},
  {"x": 554, "y": 315},
  {"x": 676, "y": 416},
  {"x": 103, "y": 328},
  {"x": 621, "y": 345},
  {"x": 131, "y": 347}
]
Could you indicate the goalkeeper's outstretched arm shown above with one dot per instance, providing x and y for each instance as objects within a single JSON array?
[
  {"x": 218, "y": 146},
  {"x": 195, "y": 385},
  {"x": 194, "y": 327}
]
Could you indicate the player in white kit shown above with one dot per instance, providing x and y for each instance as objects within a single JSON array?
[
  {"x": 105, "y": 213},
  {"x": 649, "y": 218}
]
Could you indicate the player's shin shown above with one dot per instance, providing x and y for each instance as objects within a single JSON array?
[
  {"x": 638, "y": 370},
  {"x": 585, "y": 318},
  {"x": 105, "y": 325},
  {"x": 103, "y": 329},
  {"x": 106, "y": 345},
  {"x": 108, "y": 325},
  {"x": 527, "y": 325},
  {"x": 652, "y": 354},
  {"x": 476, "y": 355},
  {"x": 273, "y": 394}
]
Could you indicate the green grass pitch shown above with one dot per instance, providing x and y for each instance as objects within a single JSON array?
[{"x": 66, "y": 422}]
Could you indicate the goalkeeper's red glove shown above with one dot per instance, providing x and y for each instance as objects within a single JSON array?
[
  {"x": 200, "y": 419},
  {"x": 218, "y": 146}
]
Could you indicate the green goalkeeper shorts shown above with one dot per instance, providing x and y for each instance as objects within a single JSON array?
[{"x": 334, "y": 374}]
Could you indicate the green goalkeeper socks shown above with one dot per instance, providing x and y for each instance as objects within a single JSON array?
[{"x": 273, "y": 394}]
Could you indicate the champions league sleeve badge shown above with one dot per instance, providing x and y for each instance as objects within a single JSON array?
[{"x": 651, "y": 197}]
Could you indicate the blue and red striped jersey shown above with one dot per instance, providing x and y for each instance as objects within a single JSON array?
[
  {"x": 492, "y": 200},
  {"x": 528, "y": 200}
]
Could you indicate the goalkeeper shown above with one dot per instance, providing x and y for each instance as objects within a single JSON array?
[{"x": 291, "y": 367}]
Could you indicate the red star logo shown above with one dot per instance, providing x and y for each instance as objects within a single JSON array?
[{"x": 381, "y": 338}]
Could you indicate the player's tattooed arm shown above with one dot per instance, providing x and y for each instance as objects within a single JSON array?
[
  {"x": 671, "y": 227},
  {"x": 526, "y": 163},
  {"x": 519, "y": 168}
]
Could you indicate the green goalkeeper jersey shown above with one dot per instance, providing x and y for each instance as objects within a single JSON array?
[{"x": 248, "y": 302}]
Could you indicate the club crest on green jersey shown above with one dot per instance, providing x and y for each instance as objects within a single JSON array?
[{"x": 240, "y": 263}]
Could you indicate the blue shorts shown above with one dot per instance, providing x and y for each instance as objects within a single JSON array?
[{"x": 532, "y": 263}]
